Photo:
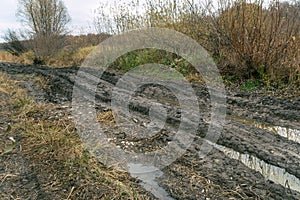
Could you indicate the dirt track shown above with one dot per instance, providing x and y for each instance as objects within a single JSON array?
[{"x": 246, "y": 131}]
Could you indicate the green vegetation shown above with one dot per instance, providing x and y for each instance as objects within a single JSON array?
[
  {"x": 145, "y": 56},
  {"x": 250, "y": 85}
]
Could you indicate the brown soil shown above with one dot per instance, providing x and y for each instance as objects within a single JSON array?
[{"x": 215, "y": 176}]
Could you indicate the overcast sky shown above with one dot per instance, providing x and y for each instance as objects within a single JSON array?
[{"x": 80, "y": 11}]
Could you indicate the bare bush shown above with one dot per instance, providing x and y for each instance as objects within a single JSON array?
[
  {"x": 247, "y": 38},
  {"x": 256, "y": 40},
  {"x": 13, "y": 44}
]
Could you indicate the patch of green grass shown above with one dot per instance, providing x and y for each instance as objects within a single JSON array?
[
  {"x": 250, "y": 85},
  {"x": 145, "y": 56}
]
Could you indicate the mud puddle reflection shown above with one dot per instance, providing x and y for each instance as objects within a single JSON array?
[
  {"x": 148, "y": 174},
  {"x": 290, "y": 134},
  {"x": 270, "y": 172}
]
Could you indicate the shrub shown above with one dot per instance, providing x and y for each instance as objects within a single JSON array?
[
  {"x": 248, "y": 39},
  {"x": 253, "y": 41},
  {"x": 141, "y": 57},
  {"x": 13, "y": 44}
]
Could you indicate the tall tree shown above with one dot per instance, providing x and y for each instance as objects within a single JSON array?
[
  {"x": 44, "y": 17},
  {"x": 45, "y": 23}
]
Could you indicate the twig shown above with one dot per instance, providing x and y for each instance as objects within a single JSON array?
[{"x": 70, "y": 193}]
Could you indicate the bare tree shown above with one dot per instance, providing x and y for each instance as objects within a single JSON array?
[
  {"x": 45, "y": 23},
  {"x": 44, "y": 17}
]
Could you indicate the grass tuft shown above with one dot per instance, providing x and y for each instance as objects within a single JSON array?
[{"x": 106, "y": 117}]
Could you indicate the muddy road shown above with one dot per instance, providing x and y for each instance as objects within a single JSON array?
[{"x": 257, "y": 155}]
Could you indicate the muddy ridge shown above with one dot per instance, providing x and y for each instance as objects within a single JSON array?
[{"x": 249, "y": 133}]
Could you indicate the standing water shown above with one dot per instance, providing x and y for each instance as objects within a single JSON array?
[
  {"x": 290, "y": 134},
  {"x": 148, "y": 174},
  {"x": 270, "y": 172}
]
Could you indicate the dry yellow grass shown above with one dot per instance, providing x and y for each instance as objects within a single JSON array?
[
  {"x": 106, "y": 117},
  {"x": 70, "y": 57},
  {"x": 50, "y": 142},
  {"x": 25, "y": 58},
  {"x": 7, "y": 57}
]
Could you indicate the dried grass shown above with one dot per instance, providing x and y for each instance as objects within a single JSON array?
[{"x": 50, "y": 142}]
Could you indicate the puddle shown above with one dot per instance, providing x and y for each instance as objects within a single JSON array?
[
  {"x": 148, "y": 174},
  {"x": 270, "y": 172},
  {"x": 290, "y": 134}
]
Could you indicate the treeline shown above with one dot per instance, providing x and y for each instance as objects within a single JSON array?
[
  {"x": 80, "y": 41},
  {"x": 72, "y": 50},
  {"x": 70, "y": 42}
]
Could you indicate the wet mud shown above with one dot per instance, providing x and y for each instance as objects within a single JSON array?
[{"x": 257, "y": 155}]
